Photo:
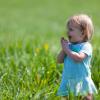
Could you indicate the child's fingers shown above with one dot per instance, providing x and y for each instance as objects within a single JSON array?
[
  {"x": 62, "y": 39},
  {"x": 65, "y": 40}
]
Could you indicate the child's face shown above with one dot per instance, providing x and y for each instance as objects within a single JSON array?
[{"x": 74, "y": 33}]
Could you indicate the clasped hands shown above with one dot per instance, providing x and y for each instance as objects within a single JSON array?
[{"x": 64, "y": 44}]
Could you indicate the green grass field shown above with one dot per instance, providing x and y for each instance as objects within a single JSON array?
[{"x": 30, "y": 32}]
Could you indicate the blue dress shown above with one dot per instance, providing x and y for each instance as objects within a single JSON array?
[{"x": 76, "y": 76}]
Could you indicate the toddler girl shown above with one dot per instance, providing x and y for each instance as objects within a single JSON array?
[{"x": 76, "y": 55}]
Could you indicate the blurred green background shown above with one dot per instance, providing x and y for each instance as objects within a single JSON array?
[
  {"x": 30, "y": 32},
  {"x": 33, "y": 18}
]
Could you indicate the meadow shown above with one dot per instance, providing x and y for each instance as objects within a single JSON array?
[{"x": 30, "y": 32}]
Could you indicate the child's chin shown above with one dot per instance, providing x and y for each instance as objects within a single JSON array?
[{"x": 70, "y": 41}]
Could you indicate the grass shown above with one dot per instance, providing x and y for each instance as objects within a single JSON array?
[{"x": 30, "y": 32}]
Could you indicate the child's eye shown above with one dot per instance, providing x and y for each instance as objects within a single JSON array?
[{"x": 70, "y": 29}]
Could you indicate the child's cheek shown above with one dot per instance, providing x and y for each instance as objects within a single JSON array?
[{"x": 72, "y": 33}]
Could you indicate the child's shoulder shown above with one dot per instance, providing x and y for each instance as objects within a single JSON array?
[
  {"x": 83, "y": 47},
  {"x": 86, "y": 48},
  {"x": 86, "y": 45}
]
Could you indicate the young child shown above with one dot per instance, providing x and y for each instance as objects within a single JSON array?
[{"x": 76, "y": 55}]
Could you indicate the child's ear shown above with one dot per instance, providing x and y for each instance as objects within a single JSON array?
[
  {"x": 86, "y": 33},
  {"x": 62, "y": 38},
  {"x": 82, "y": 34}
]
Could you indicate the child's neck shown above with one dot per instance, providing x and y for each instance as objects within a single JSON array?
[{"x": 77, "y": 42}]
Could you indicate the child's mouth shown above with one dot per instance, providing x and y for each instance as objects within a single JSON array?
[{"x": 69, "y": 37}]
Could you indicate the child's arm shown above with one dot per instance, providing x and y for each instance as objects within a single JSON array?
[
  {"x": 60, "y": 57},
  {"x": 74, "y": 55}
]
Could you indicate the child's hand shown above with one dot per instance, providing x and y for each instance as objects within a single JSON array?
[{"x": 64, "y": 44}]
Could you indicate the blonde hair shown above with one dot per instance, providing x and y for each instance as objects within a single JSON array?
[{"x": 85, "y": 24}]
